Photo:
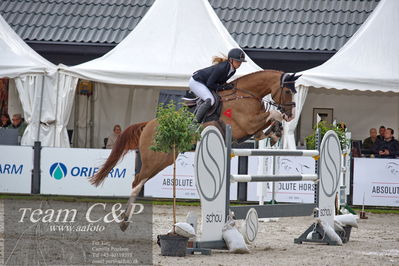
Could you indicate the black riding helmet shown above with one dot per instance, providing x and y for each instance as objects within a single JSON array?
[{"x": 237, "y": 54}]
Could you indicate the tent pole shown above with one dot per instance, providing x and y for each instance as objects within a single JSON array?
[
  {"x": 40, "y": 110},
  {"x": 56, "y": 109},
  {"x": 76, "y": 120},
  {"x": 92, "y": 118}
]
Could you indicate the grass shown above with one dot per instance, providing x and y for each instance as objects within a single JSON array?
[
  {"x": 92, "y": 199},
  {"x": 376, "y": 210},
  {"x": 59, "y": 198}
]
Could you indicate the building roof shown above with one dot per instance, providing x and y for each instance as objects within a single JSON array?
[{"x": 261, "y": 24}]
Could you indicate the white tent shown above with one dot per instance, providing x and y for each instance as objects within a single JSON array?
[
  {"x": 35, "y": 79},
  {"x": 174, "y": 39},
  {"x": 368, "y": 62}
]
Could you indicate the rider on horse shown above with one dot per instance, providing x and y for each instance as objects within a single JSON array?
[{"x": 214, "y": 78}]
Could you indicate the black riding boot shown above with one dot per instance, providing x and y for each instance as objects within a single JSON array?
[{"x": 203, "y": 109}]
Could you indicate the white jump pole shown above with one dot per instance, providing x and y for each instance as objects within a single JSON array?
[{"x": 273, "y": 178}]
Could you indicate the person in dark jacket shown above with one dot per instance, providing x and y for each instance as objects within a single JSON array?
[
  {"x": 389, "y": 147},
  {"x": 371, "y": 142},
  {"x": 381, "y": 131},
  {"x": 214, "y": 78},
  {"x": 5, "y": 121}
]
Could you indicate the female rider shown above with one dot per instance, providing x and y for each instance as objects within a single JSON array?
[{"x": 214, "y": 78}]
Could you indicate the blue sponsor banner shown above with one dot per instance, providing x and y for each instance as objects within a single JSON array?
[
  {"x": 59, "y": 170},
  {"x": 67, "y": 171},
  {"x": 16, "y": 164}
]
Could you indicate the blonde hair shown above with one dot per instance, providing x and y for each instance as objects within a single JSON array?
[{"x": 219, "y": 59}]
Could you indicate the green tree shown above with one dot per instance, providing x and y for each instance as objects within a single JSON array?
[{"x": 177, "y": 132}]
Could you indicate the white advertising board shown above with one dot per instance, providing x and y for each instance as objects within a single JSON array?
[
  {"x": 160, "y": 186},
  {"x": 16, "y": 164},
  {"x": 66, "y": 171},
  {"x": 376, "y": 181},
  {"x": 298, "y": 192}
]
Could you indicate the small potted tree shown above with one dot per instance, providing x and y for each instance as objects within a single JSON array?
[
  {"x": 177, "y": 132},
  {"x": 324, "y": 127}
]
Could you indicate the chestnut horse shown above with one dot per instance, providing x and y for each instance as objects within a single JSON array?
[{"x": 248, "y": 117}]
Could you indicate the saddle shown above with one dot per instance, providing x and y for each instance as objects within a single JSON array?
[{"x": 192, "y": 101}]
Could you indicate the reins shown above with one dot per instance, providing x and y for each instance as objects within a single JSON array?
[
  {"x": 227, "y": 98},
  {"x": 280, "y": 106}
]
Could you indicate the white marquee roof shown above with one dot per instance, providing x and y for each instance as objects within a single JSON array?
[
  {"x": 369, "y": 61},
  {"x": 174, "y": 39},
  {"x": 16, "y": 57}
]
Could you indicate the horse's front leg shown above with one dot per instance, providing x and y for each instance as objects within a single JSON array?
[
  {"x": 269, "y": 119},
  {"x": 275, "y": 115},
  {"x": 269, "y": 133},
  {"x": 274, "y": 132},
  {"x": 261, "y": 134}
]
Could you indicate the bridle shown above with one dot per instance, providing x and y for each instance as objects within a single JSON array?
[{"x": 282, "y": 106}]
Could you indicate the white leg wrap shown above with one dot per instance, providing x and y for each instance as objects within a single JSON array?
[{"x": 135, "y": 193}]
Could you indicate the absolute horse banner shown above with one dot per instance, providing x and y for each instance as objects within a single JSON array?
[
  {"x": 376, "y": 182},
  {"x": 301, "y": 192},
  {"x": 161, "y": 185}
]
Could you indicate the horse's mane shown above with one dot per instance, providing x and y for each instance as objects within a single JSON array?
[{"x": 248, "y": 76}]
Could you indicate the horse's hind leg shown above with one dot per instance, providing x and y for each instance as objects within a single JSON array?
[
  {"x": 152, "y": 164},
  {"x": 126, "y": 216}
]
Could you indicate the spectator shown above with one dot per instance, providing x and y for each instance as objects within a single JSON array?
[
  {"x": 18, "y": 123},
  {"x": 389, "y": 147},
  {"x": 342, "y": 126},
  {"x": 112, "y": 138},
  {"x": 381, "y": 131},
  {"x": 5, "y": 120},
  {"x": 370, "y": 143}
]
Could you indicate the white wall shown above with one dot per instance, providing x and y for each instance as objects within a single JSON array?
[
  {"x": 114, "y": 104},
  {"x": 360, "y": 111}
]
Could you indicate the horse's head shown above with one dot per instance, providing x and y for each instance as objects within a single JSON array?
[{"x": 284, "y": 95}]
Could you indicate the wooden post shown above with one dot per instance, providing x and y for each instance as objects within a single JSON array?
[{"x": 174, "y": 187}]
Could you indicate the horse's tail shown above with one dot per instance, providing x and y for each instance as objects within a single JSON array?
[{"x": 128, "y": 140}]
